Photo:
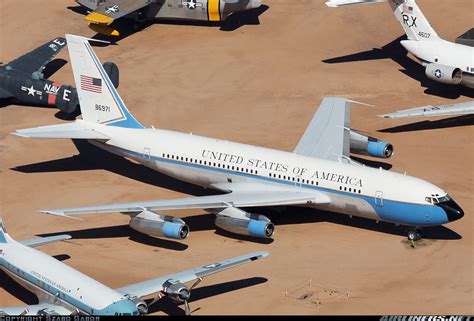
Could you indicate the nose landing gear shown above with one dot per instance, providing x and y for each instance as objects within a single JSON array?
[{"x": 414, "y": 234}]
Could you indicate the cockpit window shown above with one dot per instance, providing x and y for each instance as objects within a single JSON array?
[
  {"x": 436, "y": 200},
  {"x": 444, "y": 199}
]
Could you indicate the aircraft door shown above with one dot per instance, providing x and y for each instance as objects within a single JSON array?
[
  {"x": 298, "y": 181},
  {"x": 147, "y": 161},
  {"x": 379, "y": 198}
]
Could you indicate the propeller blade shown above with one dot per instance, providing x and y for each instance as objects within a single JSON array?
[
  {"x": 187, "y": 310},
  {"x": 195, "y": 283}
]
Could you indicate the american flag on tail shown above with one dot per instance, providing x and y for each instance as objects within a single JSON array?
[
  {"x": 407, "y": 8},
  {"x": 91, "y": 84}
]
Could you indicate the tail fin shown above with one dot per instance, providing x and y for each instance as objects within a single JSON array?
[
  {"x": 99, "y": 101},
  {"x": 413, "y": 21},
  {"x": 4, "y": 237}
]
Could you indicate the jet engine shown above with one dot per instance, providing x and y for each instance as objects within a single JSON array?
[
  {"x": 155, "y": 224},
  {"x": 367, "y": 145},
  {"x": 259, "y": 227},
  {"x": 444, "y": 74}
]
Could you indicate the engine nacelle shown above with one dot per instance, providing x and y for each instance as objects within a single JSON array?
[
  {"x": 177, "y": 292},
  {"x": 367, "y": 145},
  {"x": 444, "y": 74},
  {"x": 141, "y": 305},
  {"x": 252, "y": 227},
  {"x": 155, "y": 224}
]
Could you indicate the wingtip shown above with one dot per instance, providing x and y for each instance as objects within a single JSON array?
[
  {"x": 52, "y": 212},
  {"x": 19, "y": 134}
]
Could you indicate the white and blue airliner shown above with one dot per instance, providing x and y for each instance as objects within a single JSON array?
[
  {"x": 319, "y": 173},
  {"x": 61, "y": 290}
]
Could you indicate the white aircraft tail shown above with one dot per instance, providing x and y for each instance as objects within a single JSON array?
[
  {"x": 407, "y": 12},
  {"x": 98, "y": 99},
  {"x": 4, "y": 237},
  {"x": 413, "y": 20}
]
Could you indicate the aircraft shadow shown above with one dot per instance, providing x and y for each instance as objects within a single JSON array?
[
  {"x": 121, "y": 231},
  {"x": 16, "y": 290},
  {"x": 457, "y": 121},
  {"x": 62, "y": 257},
  {"x": 127, "y": 27},
  {"x": 171, "y": 308},
  {"x": 91, "y": 157},
  {"x": 395, "y": 51},
  {"x": 52, "y": 67}
]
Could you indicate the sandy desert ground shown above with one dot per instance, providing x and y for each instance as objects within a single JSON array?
[{"x": 259, "y": 84}]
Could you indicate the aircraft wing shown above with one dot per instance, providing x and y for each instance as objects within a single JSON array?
[
  {"x": 5, "y": 94},
  {"x": 327, "y": 135},
  {"x": 146, "y": 288},
  {"x": 36, "y": 309},
  {"x": 428, "y": 111},
  {"x": 110, "y": 10},
  {"x": 45, "y": 240},
  {"x": 37, "y": 59},
  {"x": 237, "y": 198}
]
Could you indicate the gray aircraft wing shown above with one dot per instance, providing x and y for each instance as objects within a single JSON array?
[
  {"x": 429, "y": 111},
  {"x": 240, "y": 197},
  {"x": 37, "y": 59},
  {"x": 327, "y": 135},
  {"x": 143, "y": 289},
  {"x": 45, "y": 240},
  {"x": 110, "y": 10}
]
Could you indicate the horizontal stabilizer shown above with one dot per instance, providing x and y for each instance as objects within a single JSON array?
[
  {"x": 45, "y": 240},
  {"x": 76, "y": 130},
  {"x": 340, "y": 3},
  {"x": 430, "y": 111}
]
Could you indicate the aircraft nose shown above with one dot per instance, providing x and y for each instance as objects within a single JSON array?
[{"x": 452, "y": 209}]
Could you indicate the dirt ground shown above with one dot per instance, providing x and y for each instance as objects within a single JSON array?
[{"x": 259, "y": 84}]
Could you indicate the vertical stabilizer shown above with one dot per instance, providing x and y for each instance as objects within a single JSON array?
[
  {"x": 413, "y": 21},
  {"x": 99, "y": 101}
]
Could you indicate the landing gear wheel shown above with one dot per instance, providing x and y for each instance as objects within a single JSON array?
[{"x": 414, "y": 235}]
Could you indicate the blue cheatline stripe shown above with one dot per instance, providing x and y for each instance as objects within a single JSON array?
[
  {"x": 392, "y": 211},
  {"x": 54, "y": 291},
  {"x": 129, "y": 121}
]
